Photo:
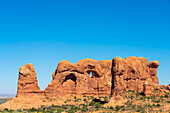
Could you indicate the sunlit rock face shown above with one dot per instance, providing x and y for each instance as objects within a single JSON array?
[
  {"x": 75, "y": 78},
  {"x": 27, "y": 82},
  {"x": 133, "y": 73},
  {"x": 90, "y": 77}
]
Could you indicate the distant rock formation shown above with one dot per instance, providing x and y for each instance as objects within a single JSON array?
[{"x": 108, "y": 77}]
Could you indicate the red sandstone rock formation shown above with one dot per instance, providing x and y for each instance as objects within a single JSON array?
[
  {"x": 153, "y": 65},
  {"x": 148, "y": 89},
  {"x": 74, "y": 78},
  {"x": 27, "y": 82},
  {"x": 108, "y": 77},
  {"x": 165, "y": 87},
  {"x": 131, "y": 73}
]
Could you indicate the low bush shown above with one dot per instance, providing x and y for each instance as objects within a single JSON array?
[
  {"x": 92, "y": 103},
  {"x": 158, "y": 105},
  {"x": 98, "y": 105},
  {"x": 117, "y": 108},
  {"x": 6, "y": 109},
  {"x": 71, "y": 111},
  {"x": 111, "y": 107},
  {"x": 84, "y": 108},
  {"x": 166, "y": 96}
]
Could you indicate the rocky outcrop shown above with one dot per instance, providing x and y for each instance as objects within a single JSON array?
[
  {"x": 165, "y": 87},
  {"x": 75, "y": 78},
  {"x": 132, "y": 73},
  {"x": 153, "y": 65},
  {"x": 148, "y": 89},
  {"x": 108, "y": 77},
  {"x": 27, "y": 82}
]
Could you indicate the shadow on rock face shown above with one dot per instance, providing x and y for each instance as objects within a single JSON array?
[{"x": 101, "y": 102}]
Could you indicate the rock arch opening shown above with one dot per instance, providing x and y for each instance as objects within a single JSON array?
[
  {"x": 90, "y": 75},
  {"x": 70, "y": 77},
  {"x": 93, "y": 74},
  {"x": 69, "y": 84}
]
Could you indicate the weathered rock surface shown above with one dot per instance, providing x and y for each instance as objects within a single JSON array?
[
  {"x": 27, "y": 82},
  {"x": 165, "y": 87},
  {"x": 153, "y": 65},
  {"x": 131, "y": 73},
  {"x": 108, "y": 77},
  {"x": 74, "y": 78},
  {"x": 148, "y": 89}
]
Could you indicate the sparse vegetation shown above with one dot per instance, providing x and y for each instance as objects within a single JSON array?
[
  {"x": 3, "y": 100},
  {"x": 136, "y": 102}
]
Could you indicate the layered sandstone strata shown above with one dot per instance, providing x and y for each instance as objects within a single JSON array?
[
  {"x": 133, "y": 73},
  {"x": 74, "y": 78},
  {"x": 108, "y": 77},
  {"x": 27, "y": 82}
]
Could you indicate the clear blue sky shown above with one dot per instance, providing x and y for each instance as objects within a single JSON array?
[{"x": 44, "y": 32}]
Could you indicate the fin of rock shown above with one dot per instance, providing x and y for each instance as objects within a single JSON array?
[{"x": 27, "y": 82}]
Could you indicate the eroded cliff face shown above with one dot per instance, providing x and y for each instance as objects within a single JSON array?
[
  {"x": 74, "y": 78},
  {"x": 133, "y": 73},
  {"x": 27, "y": 82},
  {"x": 108, "y": 77}
]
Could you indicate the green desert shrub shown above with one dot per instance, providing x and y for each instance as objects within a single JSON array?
[
  {"x": 142, "y": 98},
  {"x": 92, "y": 97},
  {"x": 98, "y": 105},
  {"x": 123, "y": 108},
  {"x": 153, "y": 97},
  {"x": 131, "y": 97},
  {"x": 133, "y": 106},
  {"x": 105, "y": 98},
  {"x": 64, "y": 106},
  {"x": 92, "y": 103},
  {"x": 58, "y": 110},
  {"x": 149, "y": 105},
  {"x": 111, "y": 107},
  {"x": 84, "y": 108},
  {"x": 131, "y": 91},
  {"x": 166, "y": 96},
  {"x": 138, "y": 110},
  {"x": 157, "y": 101},
  {"x": 6, "y": 109},
  {"x": 75, "y": 97},
  {"x": 168, "y": 101},
  {"x": 74, "y": 107},
  {"x": 71, "y": 111},
  {"x": 117, "y": 108},
  {"x": 33, "y": 109},
  {"x": 158, "y": 105},
  {"x": 148, "y": 98},
  {"x": 137, "y": 94}
]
